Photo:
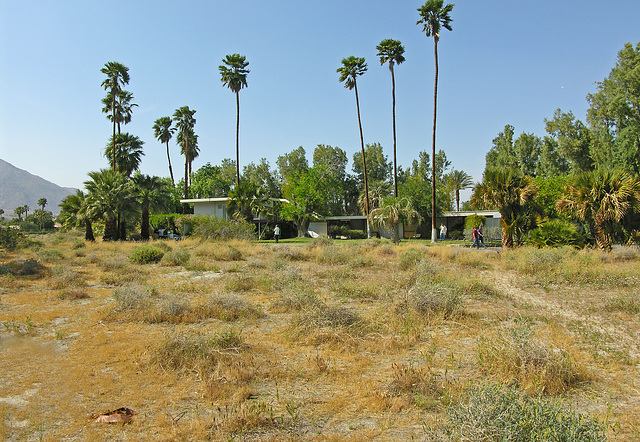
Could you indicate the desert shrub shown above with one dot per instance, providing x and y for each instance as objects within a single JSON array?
[
  {"x": 290, "y": 253},
  {"x": 198, "y": 352},
  {"x": 212, "y": 227},
  {"x": 556, "y": 233},
  {"x": 320, "y": 241},
  {"x": 219, "y": 251},
  {"x": 431, "y": 298},
  {"x": 409, "y": 258},
  {"x": 491, "y": 413},
  {"x": 321, "y": 324},
  {"x": 146, "y": 254},
  {"x": 515, "y": 356},
  {"x": 387, "y": 248},
  {"x": 534, "y": 261},
  {"x": 163, "y": 245},
  {"x": 133, "y": 299},
  {"x": 296, "y": 300},
  {"x": 73, "y": 293},
  {"x": 22, "y": 267},
  {"x": 11, "y": 238},
  {"x": 64, "y": 277},
  {"x": 477, "y": 288},
  {"x": 471, "y": 258},
  {"x": 78, "y": 244},
  {"x": 355, "y": 289},
  {"x": 231, "y": 308},
  {"x": 49, "y": 255},
  {"x": 175, "y": 258},
  {"x": 418, "y": 382},
  {"x": 334, "y": 255},
  {"x": 241, "y": 282}
]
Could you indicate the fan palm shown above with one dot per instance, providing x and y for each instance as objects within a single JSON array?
[
  {"x": 391, "y": 51},
  {"x": 458, "y": 180},
  {"x": 392, "y": 213},
  {"x": 433, "y": 17},
  {"x": 122, "y": 113},
  {"x": 511, "y": 194},
  {"x": 601, "y": 199},
  {"x": 109, "y": 194},
  {"x": 353, "y": 67},
  {"x": 152, "y": 194},
  {"x": 185, "y": 123},
  {"x": 163, "y": 132},
  {"x": 73, "y": 213},
  {"x": 378, "y": 191},
  {"x": 126, "y": 149},
  {"x": 117, "y": 76},
  {"x": 233, "y": 74}
]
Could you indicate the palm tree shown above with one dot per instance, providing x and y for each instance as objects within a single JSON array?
[
  {"x": 19, "y": 211},
  {"x": 185, "y": 123},
  {"x": 458, "y": 180},
  {"x": 163, "y": 131},
  {"x": 433, "y": 17},
  {"x": 126, "y": 149},
  {"x": 117, "y": 76},
  {"x": 601, "y": 199},
  {"x": 109, "y": 193},
  {"x": 42, "y": 202},
  {"x": 378, "y": 191},
  {"x": 152, "y": 194},
  {"x": 233, "y": 74},
  {"x": 352, "y": 68},
  {"x": 391, "y": 51},
  {"x": 393, "y": 212},
  {"x": 510, "y": 193},
  {"x": 73, "y": 214},
  {"x": 123, "y": 107}
]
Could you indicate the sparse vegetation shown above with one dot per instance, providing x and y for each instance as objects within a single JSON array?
[{"x": 234, "y": 339}]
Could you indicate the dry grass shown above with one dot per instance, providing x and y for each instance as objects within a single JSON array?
[{"x": 326, "y": 341}]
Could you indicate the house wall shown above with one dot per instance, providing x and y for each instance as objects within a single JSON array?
[
  {"x": 211, "y": 208},
  {"x": 318, "y": 227}
]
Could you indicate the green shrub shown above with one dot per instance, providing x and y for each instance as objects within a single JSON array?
[
  {"x": 490, "y": 413},
  {"x": 146, "y": 254},
  {"x": 409, "y": 258},
  {"x": 428, "y": 298},
  {"x": 212, "y": 227},
  {"x": 175, "y": 258},
  {"x": 21, "y": 267},
  {"x": 11, "y": 238},
  {"x": 49, "y": 255},
  {"x": 556, "y": 233}
]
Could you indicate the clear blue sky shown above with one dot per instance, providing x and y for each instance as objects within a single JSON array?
[{"x": 505, "y": 62}]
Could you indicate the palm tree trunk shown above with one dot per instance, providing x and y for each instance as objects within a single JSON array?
[
  {"x": 170, "y": 170},
  {"x": 364, "y": 164},
  {"x": 433, "y": 147},
  {"x": 237, "y": 138},
  {"x": 395, "y": 163},
  {"x": 113, "y": 139},
  {"x": 88, "y": 231},
  {"x": 144, "y": 228}
]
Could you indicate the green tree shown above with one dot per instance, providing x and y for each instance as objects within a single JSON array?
[
  {"x": 334, "y": 161},
  {"x": 391, "y": 51},
  {"x": 126, "y": 149},
  {"x": 208, "y": 182},
  {"x": 263, "y": 178},
  {"x": 502, "y": 154},
  {"x": 117, "y": 77},
  {"x": 19, "y": 211},
  {"x": 551, "y": 162},
  {"x": 109, "y": 193},
  {"x": 511, "y": 193},
  {"x": 42, "y": 202},
  {"x": 185, "y": 124},
  {"x": 233, "y": 73},
  {"x": 163, "y": 132},
  {"x": 308, "y": 194},
  {"x": 378, "y": 191},
  {"x": 601, "y": 199},
  {"x": 353, "y": 67},
  {"x": 572, "y": 140},
  {"x": 458, "y": 180},
  {"x": 292, "y": 164},
  {"x": 73, "y": 213},
  {"x": 392, "y": 213},
  {"x": 614, "y": 114},
  {"x": 379, "y": 168},
  {"x": 433, "y": 17},
  {"x": 152, "y": 194}
]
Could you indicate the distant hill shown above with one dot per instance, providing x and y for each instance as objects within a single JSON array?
[{"x": 18, "y": 187}]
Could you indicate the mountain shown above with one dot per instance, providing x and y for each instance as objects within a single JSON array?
[{"x": 18, "y": 187}]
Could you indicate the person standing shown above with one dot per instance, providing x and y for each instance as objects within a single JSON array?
[
  {"x": 443, "y": 232},
  {"x": 276, "y": 233}
]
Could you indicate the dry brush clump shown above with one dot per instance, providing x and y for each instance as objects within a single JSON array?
[
  {"x": 516, "y": 356},
  {"x": 322, "y": 324}
]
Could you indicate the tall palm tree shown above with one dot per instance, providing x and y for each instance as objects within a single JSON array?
[
  {"x": 109, "y": 193},
  {"x": 152, "y": 194},
  {"x": 127, "y": 151},
  {"x": 433, "y": 17},
  {"x": 42, "y": 202},
  {"x": 73, "y": 213},
  {"x": 163, "y": 132},
  {"x": 458, "y": 180},
  {"x": 117, "y": 76},
  {"x": 391, "y": 51},
  {"x": 123, "y": 107},
  {"x": 233, "y": 74},
  {"x": 393, "y": 212},
  {"x": 510, "y": 193},
  {"x": 353, "y": 67},
  {"x": 601, "y": 199},
  {"x": 185, "y": 123}
]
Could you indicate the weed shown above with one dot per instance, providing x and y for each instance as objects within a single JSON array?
[
  {"x": 73, "y": 293},
  {"x": 409, "y": 258},
  {"x": 64, "y": 277},
  {"x": 429, "y": 298},
  {"x": 146, "y": 254},
  {"x": 49, "y": 255},
  {"x": 241, "y": 283},
  {"x": 230, "y": 308},
  {"x": 627, "y": 303},
  {"x": 178, "y": 257},
  {"x": 493, "y": 413}
]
